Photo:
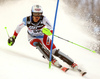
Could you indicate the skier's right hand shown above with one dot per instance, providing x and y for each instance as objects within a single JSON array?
[{"x": 11, "y": 40}]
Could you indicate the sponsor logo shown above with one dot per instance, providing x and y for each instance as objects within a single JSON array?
[
  {"x": 37, "y": 9},
  {"x": 48, "y": 41}
]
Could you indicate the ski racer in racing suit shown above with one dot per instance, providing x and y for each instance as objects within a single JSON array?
[{"x": 35, "y": 23}]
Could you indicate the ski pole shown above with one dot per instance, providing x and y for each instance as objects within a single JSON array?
[
  {"x": 7, "y": 32},
  {"x": 75, "y": 44},
  {"x": 47, "y": 32},
  {"x": 9, "y": 37}
]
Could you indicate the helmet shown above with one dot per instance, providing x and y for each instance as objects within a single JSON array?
[{"x": 36, "y": 10}]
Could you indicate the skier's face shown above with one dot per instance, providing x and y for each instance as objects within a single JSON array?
[{"x": 36, "y": 18}]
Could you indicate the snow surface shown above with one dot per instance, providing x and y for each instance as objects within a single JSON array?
[{"x": 22, "y": 61}]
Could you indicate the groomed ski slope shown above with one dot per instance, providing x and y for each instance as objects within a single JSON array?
[{"x": 22, "y": 61}]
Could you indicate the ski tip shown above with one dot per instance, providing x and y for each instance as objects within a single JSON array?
[{"x": 84, "y": 73}]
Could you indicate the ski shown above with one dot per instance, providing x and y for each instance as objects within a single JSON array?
[
  {"x": 56, "y": 64},
  {"x": 81, "y": 72},
  {"x": 65, "y": 69}
]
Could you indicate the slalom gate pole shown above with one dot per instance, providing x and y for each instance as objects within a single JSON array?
[
  {"x": 53, "y": 34},
  {"x": 75, "y": 44}
]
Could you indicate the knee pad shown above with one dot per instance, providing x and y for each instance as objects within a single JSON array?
[{"x": 34, "y": 42}]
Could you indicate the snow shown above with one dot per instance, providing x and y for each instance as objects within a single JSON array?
[{"x": 22, "y": 61}]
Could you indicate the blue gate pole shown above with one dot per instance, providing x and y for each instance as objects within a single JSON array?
[{"x": 53, "y": 34}]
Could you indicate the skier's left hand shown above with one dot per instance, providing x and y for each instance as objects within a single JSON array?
[{"x": 46, "y": 31}]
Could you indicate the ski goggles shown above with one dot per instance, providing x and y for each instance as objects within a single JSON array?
[{"x": 37, "y": 14}]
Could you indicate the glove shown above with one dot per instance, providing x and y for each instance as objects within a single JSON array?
[
  {"x": 11, "y": 40},
  {"x": 46, "y": 31}
]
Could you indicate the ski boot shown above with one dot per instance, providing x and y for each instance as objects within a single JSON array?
[
  {"x": 75, "y": 67},
  {"x": 56, "y": 63},
  {"x": 69, "y": 61}
]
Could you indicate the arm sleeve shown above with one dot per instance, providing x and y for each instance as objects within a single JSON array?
[
  {"x": 19, "y": 27},
  {"x": 47, "y": 24}
]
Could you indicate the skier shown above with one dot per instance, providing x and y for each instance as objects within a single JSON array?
[{"x": 35, "y": 23}]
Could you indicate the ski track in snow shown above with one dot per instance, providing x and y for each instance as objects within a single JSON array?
[{"x": 22, "y": 61}]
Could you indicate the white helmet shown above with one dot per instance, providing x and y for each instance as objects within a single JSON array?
[{"x": 36, "y": 9}]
